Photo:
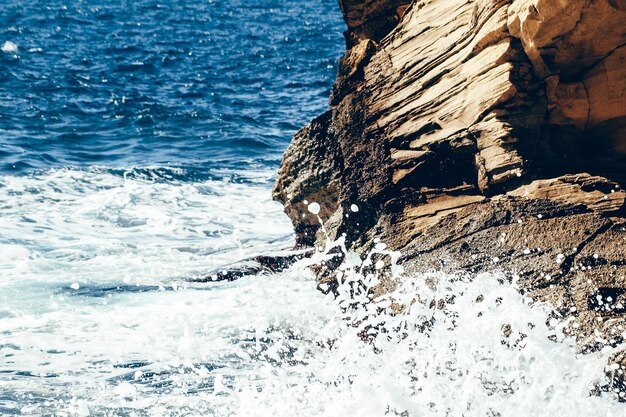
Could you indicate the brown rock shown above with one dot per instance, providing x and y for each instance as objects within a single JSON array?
[
  {"x": 310, "y": 172},
  {"x": 371, "y": 19},
  {"x": 479, "y": 135},
  {"x": 597, "y": 193}
]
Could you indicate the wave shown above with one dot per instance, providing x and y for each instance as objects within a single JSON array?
[
  {"x": 102, "y": 224},
  {"x": 430, "y": 345}
]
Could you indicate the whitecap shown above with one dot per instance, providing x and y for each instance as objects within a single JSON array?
[{"x": 9, "y": 47}]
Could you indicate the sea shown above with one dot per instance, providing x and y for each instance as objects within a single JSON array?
[{"x": 139, "y": 141}]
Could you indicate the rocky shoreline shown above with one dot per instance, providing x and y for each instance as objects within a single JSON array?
[{"x": 480, "y": 135}]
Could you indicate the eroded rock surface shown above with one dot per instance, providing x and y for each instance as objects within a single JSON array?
[{"x": 479, "y": 135}]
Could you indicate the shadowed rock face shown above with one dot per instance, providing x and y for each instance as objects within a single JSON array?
[{"x": 479, "y": 135}]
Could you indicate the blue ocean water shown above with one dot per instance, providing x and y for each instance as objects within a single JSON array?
[
  {"x": 196, "y": 84},
  {"x": 139, "y": 140}
]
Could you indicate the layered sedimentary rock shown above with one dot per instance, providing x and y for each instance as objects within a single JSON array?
[{"x": 479, "y": 135}]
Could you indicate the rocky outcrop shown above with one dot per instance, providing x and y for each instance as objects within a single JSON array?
[
  {"x": 270, "y": 262},
  {"x": 479, "y": 135}
]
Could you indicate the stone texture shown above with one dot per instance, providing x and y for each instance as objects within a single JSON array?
[
  {"x": 479, "y": 135},
  {"x": 371, "y": 19},
  {"x": 255, "y": 266},
  {"x": 311, "y": 168}
]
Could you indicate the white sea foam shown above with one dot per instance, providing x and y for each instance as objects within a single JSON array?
[
  {"x": 132, "y": 338},
  {"x": 9, "y": 46},
  {"x": 95, "y": 226}
]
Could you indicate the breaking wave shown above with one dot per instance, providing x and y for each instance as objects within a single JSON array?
[{"x": 99, "y": 317}]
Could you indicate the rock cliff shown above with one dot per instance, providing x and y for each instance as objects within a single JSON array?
[{"x": 479, "y": 135}]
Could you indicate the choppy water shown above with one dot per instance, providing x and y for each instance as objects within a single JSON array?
[
  {"x": 138, "y": 144},
  {"x": 204, "y": 84}
]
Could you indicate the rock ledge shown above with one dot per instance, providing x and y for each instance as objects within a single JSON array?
[{"x": 479, "y": 135}]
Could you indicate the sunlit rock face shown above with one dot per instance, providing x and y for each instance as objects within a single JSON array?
[{"x": 478, "y": 135}]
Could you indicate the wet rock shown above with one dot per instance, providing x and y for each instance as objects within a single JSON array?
[
  {"x": 479, "y": 135},
  {"x": 254, "y": 266},
  {"x": 310, "y": 172}
]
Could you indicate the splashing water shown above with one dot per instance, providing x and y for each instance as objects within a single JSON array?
[
  {"x": 437, "y": 345},
  {"x": 119, "y": 332}
]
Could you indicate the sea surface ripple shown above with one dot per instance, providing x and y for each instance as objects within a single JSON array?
[{"x": 202, "y": 84}]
